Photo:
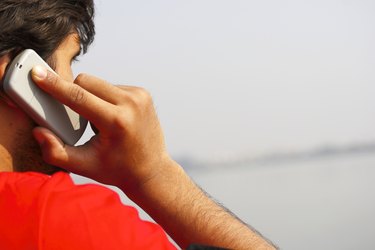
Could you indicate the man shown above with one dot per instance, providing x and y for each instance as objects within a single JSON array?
[{"x": 128, "y": 151}]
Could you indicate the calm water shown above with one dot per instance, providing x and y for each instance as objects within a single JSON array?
[
  {"x": 326, "y": 203},
  {"x": 320, "y": 204}
]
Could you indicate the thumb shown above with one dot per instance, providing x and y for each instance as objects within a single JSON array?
[{"x": 55, "y": 152}]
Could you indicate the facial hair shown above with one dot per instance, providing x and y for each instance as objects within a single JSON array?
[{"x": 28, "y": 156}]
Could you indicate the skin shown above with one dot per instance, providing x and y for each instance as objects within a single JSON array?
[
  {"x": 129, "y": 152},
  {"x": 18, "y": 149}
]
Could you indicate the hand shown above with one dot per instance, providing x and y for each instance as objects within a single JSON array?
[
  {"x": 128, "y": 151},
  {"x": 129, "y": 143}
]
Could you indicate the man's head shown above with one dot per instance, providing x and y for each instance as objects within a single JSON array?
[
  {"x": 58, "y": 30},
  {"x": 43, "y": 24}
]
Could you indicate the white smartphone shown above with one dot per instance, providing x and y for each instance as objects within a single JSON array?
[{"x": 40, "y": 106}]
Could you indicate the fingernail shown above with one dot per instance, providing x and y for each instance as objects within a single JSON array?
[{"x": 39, "y": 72}]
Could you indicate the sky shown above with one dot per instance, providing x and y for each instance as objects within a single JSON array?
[{"x": 243, "y": 78}]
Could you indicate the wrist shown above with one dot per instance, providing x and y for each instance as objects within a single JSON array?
[{"x": 157, "y": 174}]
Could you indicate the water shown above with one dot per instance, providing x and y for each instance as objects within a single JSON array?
[{"x": 325, "y": 203}]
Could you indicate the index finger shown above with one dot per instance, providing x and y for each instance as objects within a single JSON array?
[{"x": 74, "y": 96}]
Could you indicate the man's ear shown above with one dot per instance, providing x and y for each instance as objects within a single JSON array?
[{"x": 4, "y": 61}]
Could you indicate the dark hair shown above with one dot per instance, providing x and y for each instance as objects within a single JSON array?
[{"x": 43, "y": 24}]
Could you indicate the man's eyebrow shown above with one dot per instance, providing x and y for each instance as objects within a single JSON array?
[{"x": 74, "y": 58}]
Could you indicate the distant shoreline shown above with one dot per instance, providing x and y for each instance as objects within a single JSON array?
[{"x": 189, "y": 163}]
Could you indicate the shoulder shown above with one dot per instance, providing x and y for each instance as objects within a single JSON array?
[
  {"x": 99, "y": 213},
  {"x": 56, "y": 213}
]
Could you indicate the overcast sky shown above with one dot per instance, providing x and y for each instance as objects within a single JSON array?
[{"x": 234, "y": 78}]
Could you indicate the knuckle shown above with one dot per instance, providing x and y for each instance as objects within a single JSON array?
[
  {"x": 52, "y": 79},
  {"x": 77, "y": 95},
  {"x": 142, "y": 97},
  {"x": 122, "y": 93},
  {"x": 121, "y": 121},
  {"x": 82, "y": 77}
]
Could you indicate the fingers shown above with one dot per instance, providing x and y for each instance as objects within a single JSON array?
[
  {"x": 99, "y": 88},
  {"x": 56, "y": 153},
  {"x": 115, "y": 94},
  {"x": 77, "y": 98},
  {"x": 53, "y": 149}
]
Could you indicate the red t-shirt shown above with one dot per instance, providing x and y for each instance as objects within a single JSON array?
[{"x": 38, "y": 211}]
